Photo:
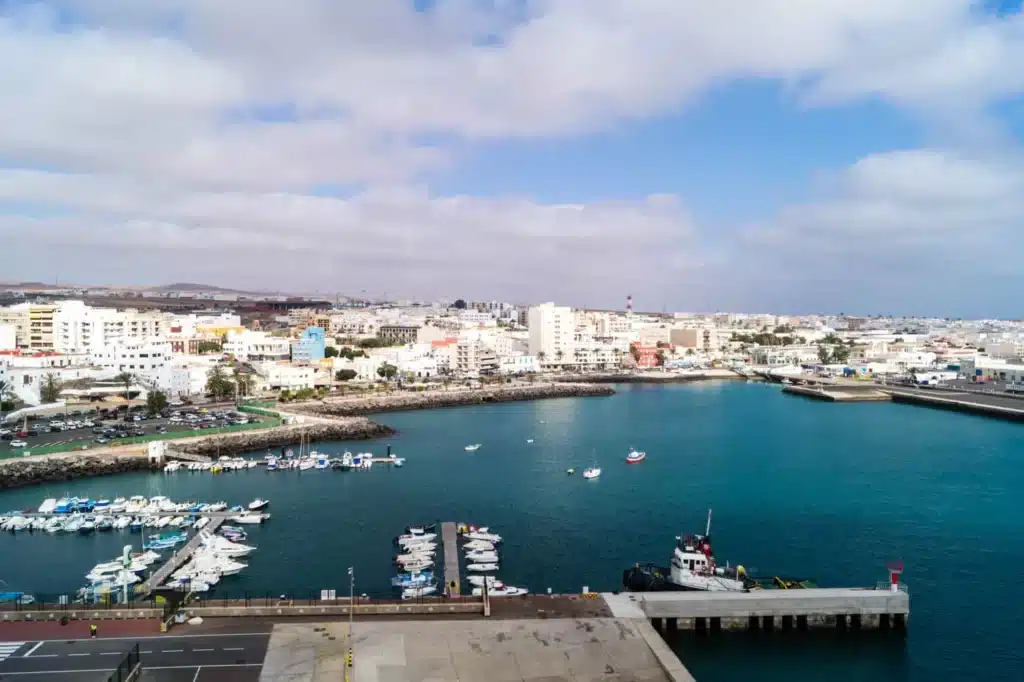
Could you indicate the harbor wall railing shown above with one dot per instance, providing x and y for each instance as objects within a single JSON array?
[{"x": 312, "y": 605}]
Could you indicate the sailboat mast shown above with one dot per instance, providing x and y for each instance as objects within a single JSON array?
[{"x": 707, "y": 530}]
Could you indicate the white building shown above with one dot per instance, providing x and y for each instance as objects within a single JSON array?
[
  {"x": 284, "y": 375},
  {"x": 257, "y": 346},
  {"x": 785, "y": 355},
  {"x": 1002, "y": 350},
  {"x": 991, "y": 369},
  {"x": 518, "y": 364},
  {"x": 148, "y": 360},
  {"x": 8, "y": 337},
  {"x": 474, "y": 357},
  {"x": 189, "y": 375},
  {"x": 552, "y": 332}
]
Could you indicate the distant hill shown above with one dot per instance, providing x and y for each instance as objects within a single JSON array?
[{"x": 189, "y": 286}]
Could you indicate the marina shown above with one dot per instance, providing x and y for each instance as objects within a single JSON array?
[{"x": 873, "y": 500}]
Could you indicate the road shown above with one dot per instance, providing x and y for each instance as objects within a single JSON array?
[{"x": 165, "y": 658}]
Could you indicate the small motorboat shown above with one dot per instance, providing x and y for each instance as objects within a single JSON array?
[
  {"x": 479, "y": 546},
  {"x": 258, "y": 504},
  {"x": 529, "y": 440},
  {"x": 250, "y": 518},
  {"x": 415, "y": 592},
  {"x": 482, "y": 557},
  {"x": 500, "y": 590},
  {"x": 634, "y": 457},
  {"x": 413, "y": 538},
  {"x": 570, "y": 471},
  {"x": 473, "y": 448},
  {"x": 592, "y": 472},
  {"x": 482, "y": 568},
  {"x": 413, "y": 580}
]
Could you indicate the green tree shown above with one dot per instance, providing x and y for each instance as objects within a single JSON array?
[
  {"x": 841, "y": 353},
  {"x": 345, "y": 375},
  {"x": 350, "y": 354},
  {"x": 126, "y": 378},
  {"x": 387, "y": 371},
  {"x": 209, "y": 347},
  {"x": 824, "y": 354},
  {"x": 559, "y": 355},
  {"x": 831, "y": 339},
  {"x": 371, "y": 343},
  {"x": 218, "y": 384},
  {"x": 5, "y": 390},
  {"x": 459, "y": 304},
  {"x": 659, "y": 358},
  {"x": 49, "y": 392},
  {"x": 690, "y": 351},
  {"x": 635, "y": 352},
  {"x": 330, "y": 352},
  {"x": 156, "y": 402}
]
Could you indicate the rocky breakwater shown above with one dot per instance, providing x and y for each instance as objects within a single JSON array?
[
  {"x": 281, "y": 436},
  {"x": 49, "y": 468},
  {"x": 454, "y": 397}
]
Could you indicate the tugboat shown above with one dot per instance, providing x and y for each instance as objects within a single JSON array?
[{"x": 692, "y": 567}]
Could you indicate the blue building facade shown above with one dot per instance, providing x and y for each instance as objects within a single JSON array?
[{"x": 310, "y": 346}]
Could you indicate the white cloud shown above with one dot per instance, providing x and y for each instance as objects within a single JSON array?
[
  {"x": 147, "y": 113},
  {"x": 421, "y": 244}
]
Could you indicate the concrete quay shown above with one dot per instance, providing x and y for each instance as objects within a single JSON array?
[
  {"x": 837, "y": 608},
  {"x": 524, "y": 650},
  {"x": 449, "y": 537},
  {"x": 1001, "y": 407},
  {"x": 839, "y": 394}
]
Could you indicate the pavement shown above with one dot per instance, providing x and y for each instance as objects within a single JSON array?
[
  {"x": 994, "y": 400},
  {"x": 220, "y": 657}
]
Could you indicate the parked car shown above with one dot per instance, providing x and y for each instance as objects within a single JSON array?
[
  {"x": 101, "y": 440},
  {"x": 19, "y": 444}
]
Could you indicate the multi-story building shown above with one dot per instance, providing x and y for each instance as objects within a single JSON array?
[
  {"x": 394, "y": 334},
  {"x": 983, "y": 368},
  {"x": 149, "y": 360},
  {"x": 253, "y": 346},
  {"x": 8, "y": 337},
  {"x": 310, "y": 347},
  {"x": 33, "y": 325},
  {"x": 1002, "y": 350},
  {"x": 552, "y": 331},
  {"x": 284, "y": 375},
  {"x": 473, "y": 357},
  {"x": 706, "y": 339},
  {"x": 190, "y": 375}
]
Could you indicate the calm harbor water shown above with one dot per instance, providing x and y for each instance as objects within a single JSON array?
[{"x": 831, "y": 492}]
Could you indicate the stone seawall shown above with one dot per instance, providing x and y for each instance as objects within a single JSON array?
[
  {"x": 651, "y": 378},
  {"x": 407, "y": 400},
  {"x": 248, "y": 441},
  {"x": 15, "y": 473}
]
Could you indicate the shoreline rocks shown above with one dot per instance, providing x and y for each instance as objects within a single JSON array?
[
  {"x": 16, "y": 473},
  {"x": 282, "y": 436},
  {"x": 409, "y": 400}
]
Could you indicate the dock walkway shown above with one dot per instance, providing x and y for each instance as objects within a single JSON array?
[
  {"x": 160, "y": 576},
  {"x": 449, "y": 537}
]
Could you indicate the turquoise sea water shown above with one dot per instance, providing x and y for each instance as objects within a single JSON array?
[{"x": 831, "y": 492}]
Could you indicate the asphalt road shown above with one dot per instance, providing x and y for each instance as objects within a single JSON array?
[{"x": 186, "y": 658}]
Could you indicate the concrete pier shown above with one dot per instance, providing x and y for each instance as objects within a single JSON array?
[
  {"x": 160, "y": 576},
  {"x": 839, "y": 394},
  {"x": 840, "y": 608},
  {"x": 449, "y": 537},
  {"x": 1002, "y": 407},
  {"x": 521, "y": 650}
]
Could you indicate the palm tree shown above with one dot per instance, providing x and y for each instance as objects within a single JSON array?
[
  {"x": 126, "y": 378},
  {"x": 49, "y": 392},
  {"x": 218, "y": 383},
  {"x": 558, "y": 355},
  {"x": 243, "y": 382}
]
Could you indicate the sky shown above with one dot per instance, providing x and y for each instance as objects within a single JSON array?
[{"x": 795, "y": 156}]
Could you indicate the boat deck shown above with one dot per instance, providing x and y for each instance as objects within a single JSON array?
[
  {"x": 160, "y": 576},
  {"x": 449, "y": 536}
]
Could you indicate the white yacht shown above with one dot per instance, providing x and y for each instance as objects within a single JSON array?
[
  {"x": 250, "y": 518},
  {"x": 492, "y": 538},
  {"x": 482, "y": 557},
  {"x": 222, "y": 545},
  {"x": 482, "y": 568},
  {"x": 473, "y": 448},
  {"x": 258, "y": 504},
  {"x": 592, "y": 472},
  {"x": 479, "y": 546},
  {"x": 415, "y": 538}
]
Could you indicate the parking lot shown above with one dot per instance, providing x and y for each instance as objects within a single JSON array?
[{"x": 111, "y": 427}]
